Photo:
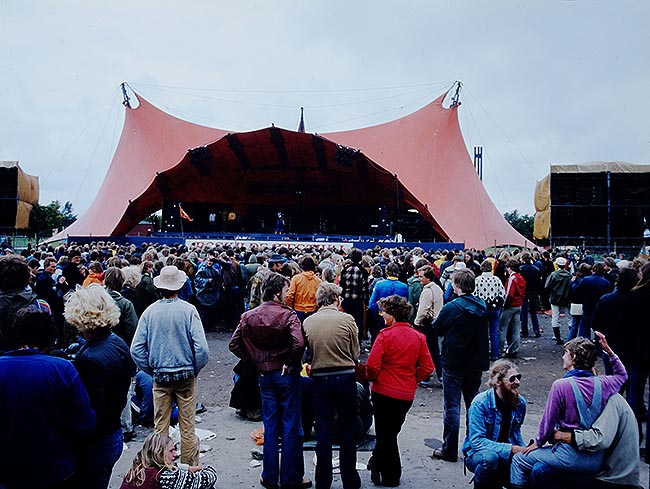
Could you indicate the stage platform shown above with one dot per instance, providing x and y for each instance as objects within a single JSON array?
[{"x": 290, "y": 240}]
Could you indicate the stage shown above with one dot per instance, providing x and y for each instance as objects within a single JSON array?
[{"x": 320, "y": 241}]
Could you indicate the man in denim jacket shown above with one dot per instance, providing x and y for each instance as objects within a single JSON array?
[{"x": 494, "y": 427}]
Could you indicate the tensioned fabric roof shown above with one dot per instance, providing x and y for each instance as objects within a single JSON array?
[{"x": 424, "y": 152}]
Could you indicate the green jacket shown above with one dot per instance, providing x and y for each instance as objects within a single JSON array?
[
  {"x": 128, "y": 318},
  {"x": 558, "y": 285}
]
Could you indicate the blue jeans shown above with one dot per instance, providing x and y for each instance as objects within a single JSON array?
[
  {"x": 97, "y": 459},
  {"x": 281, "y": 415},
  {"x": 584, "y": 329},
  {"x": 455, "y": 384},
  {"x": 493, "y": 321},
  {"x": 560, "y": 456},
  {"x": 336, "y": 395},
  {"x": 529, "y": 306},
  {"x": 488, "y": 468},
  {"x": 575, "y": 327},
  {"x": 303, "y": 315},
  {"x": 545, "y": 477}
]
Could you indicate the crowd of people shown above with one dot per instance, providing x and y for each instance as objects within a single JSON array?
[{"x": 79, "y": 325}]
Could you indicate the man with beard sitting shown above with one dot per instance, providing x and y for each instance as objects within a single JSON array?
[{"x": 494, "y": 427}]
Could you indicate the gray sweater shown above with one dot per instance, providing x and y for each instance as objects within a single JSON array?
[
  {"x": 616, "y": 432},
  {"x": 170, "y": 338}
]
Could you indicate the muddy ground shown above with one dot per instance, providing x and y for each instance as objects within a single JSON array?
[{"x": 539, "y": 362}]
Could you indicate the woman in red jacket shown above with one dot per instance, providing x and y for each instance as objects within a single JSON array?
[{"x": 399, "y": 359}]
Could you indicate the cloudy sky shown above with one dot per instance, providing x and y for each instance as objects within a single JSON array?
[{"x": 544, "y": 82}]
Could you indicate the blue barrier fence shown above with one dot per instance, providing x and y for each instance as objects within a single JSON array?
[{"x": 361, "y": 242}]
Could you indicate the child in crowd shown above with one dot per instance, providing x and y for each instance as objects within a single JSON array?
[{"x": 153, "y": 467}]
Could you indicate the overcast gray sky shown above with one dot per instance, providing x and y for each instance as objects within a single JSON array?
[{"x": 545, "y": 82}]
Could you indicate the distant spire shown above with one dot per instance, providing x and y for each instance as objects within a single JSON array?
[{"x": 301, "y": 126}]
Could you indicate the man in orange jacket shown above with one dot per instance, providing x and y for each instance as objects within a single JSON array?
[{"x": 302, "y": 291}]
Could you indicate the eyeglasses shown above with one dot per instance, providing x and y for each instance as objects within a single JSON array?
[{"x": 512, "y": 378}]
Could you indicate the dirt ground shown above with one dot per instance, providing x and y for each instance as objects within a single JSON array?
[{"x": 539, "y": 361}]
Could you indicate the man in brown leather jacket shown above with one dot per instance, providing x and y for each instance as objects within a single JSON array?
[{"x": 271, "y": 338}]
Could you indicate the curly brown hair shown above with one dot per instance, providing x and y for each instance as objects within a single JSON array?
[{"x": 396, "y": 306}]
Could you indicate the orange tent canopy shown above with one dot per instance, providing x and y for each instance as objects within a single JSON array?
[
  {"x": 423, "y": 152},
  {"x": 427, "y": 152}
]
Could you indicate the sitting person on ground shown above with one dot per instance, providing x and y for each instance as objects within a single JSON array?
[
  {"x": 142, "y": 402},
  {"x": 307, "y": 410},
  {"x": 616, "y": 433},
  {"x": 494, "y": 427},
  {"x": 245, "y": 394},
  {"x": 153, "y": 467},
  {"x": 574, "y": 401}
]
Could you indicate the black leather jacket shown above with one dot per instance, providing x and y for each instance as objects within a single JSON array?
[{"x": 105, "y": 366}]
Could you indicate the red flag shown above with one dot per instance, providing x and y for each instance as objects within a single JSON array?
[{"x": 184, "y": 215}]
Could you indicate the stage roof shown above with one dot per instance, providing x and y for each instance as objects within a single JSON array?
[
  {"x": 601, "y": 166},
  {"x": 423, "y": 154}
]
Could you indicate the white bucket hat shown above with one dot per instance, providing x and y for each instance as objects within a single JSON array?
[
  {"x": 170, "y": 278},
  {"x": 561, "y": 261}
]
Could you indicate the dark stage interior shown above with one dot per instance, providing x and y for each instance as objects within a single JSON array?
[{"x": 351, "y": 220}]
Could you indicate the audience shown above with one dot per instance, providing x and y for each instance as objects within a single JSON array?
[{"x": 600, "y": 442}]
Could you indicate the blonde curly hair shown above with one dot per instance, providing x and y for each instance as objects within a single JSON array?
[
  {"x": 91, "y": 308},
  {"x": 152, "y": 455}
]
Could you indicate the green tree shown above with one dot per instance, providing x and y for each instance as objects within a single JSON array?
[
  {"x": 523, "y": 223},
  {"x": 68, "y": 214},
  {"x": 44, "y": 219}
]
